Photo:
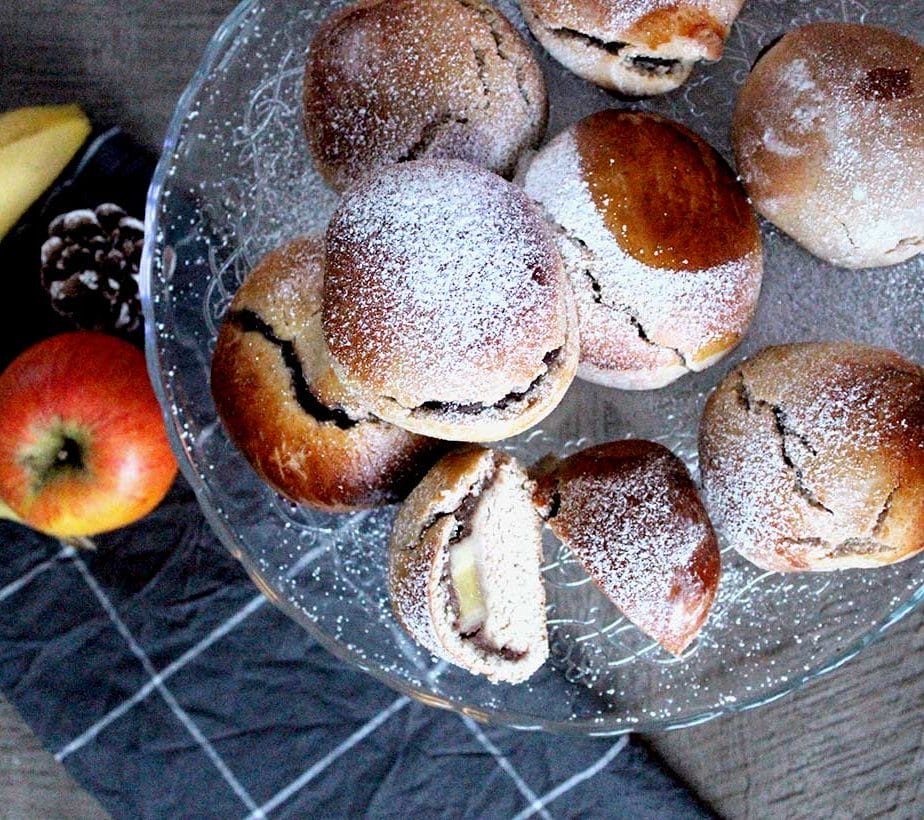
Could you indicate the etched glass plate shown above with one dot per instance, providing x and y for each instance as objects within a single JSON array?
[{"x": 235, "y": 180}]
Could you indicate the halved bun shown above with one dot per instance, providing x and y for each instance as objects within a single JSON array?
[
  {"x": 464, "y": 561},
  {"x": 630, "y": 513}
]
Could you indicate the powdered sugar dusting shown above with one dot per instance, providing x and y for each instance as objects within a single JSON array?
[
  {"x": 398, "y": 80},
  {"x": 805, "y": 449},
  {"x": 635, "y": 316},
  {"x": 442, "y": 285},
  {"x": 831, "y": 139},
  {"x": 777, "y": 146},
  {"x": 629, "y": 512}
]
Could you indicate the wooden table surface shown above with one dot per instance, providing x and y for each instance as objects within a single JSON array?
[{"x": 849, "y": 745}]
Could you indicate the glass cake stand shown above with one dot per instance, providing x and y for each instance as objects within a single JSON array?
[{"x": 235, "y": 180}]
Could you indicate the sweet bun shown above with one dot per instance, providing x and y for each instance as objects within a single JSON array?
[
  {"x": 464, "y": 566},
  {"x": 659, "y": 242},
  {"x": 394, "y": 80},
  {"x": 634, "y": 47},
  {"x": 630, "y": 513},
  {"x": 828, "y": 133},
  {"x": 812, "y": 457},
  {"x": 445, "y": 306},
  {"x": 286, "y": 411}
]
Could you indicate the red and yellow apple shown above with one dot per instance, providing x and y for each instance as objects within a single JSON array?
[{"x": 83, "y": 448}]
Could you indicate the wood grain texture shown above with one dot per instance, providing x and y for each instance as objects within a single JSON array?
[
  {"x": 125, "y": 61},
  {"x": 32, "y": 783},
  {"x": 850, "y": 745}
]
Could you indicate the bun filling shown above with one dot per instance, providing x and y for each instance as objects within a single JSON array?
[
  {"x": 614, "y": 47},
  {"x": 465, "y": 566},
  {"x": 642, "y": 63},
  {"x": 482, "y": 600},
  {"x": 249, "y": 322},
  {"x": 551, "y": 362}
]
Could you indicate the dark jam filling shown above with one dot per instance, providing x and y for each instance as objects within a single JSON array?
[
  {"x": 250, "y": 322},
  {"x": 648, "y": 65},
  {"x": 654, "y": 65},
  {"x": 474, "y": 408},
  {"x": 613, "y": 48},
  {"x": 464, "y": 514}
]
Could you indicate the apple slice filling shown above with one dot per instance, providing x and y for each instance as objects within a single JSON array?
[
  {"x": 466, "y": 586},
  {"x": 492, "y": 598}
]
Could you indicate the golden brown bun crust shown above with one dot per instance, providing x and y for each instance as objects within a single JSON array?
[
  {"x": 828, "y": 133},
  {"x": 659, "y": 241},
  {"x": 445, "y": 305},
  {"x": 394, "y": 80},
  {"x": 349, "y": 462},
  {"x": 812, "y": 457},
  {"x": 645, "y": 173},
  {"x": 601, "y": 40},
  {"x": 631, "y": 514}
]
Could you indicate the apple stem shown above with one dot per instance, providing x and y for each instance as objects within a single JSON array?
[{"x": 80, "y": 542}]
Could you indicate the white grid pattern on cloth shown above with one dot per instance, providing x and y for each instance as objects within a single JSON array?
[
  {"x": 193, "y": 652},
  {"x": 14, "y": 586},
  {"x": 312, "y": 772},
  {"x": 537, "y": 805},
  {"x": 503, "y": 763},
  {"x": 574, "y": 780},
  {"x": 219, "y": 632},
  {"x": 506, "y": 766},
  {"x": 165, "y": 693}
]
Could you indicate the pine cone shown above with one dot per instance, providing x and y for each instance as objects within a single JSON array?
[{"x": 90, "y": 269}]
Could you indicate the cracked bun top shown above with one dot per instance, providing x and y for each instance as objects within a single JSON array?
[
  {"x": 828, "y": 133},
  {"x": 635, "y": 47},
  {"x": 394, "y": 80},
  {"x": 284, "y": 408},
  {"x": 630, "y": 513},
  {"x": 445, "y": 305},
  {"x": 659, "y": 241},
  {"x": 812, "y": 457}
]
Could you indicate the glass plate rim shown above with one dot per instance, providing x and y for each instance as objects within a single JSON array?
[{"x": 218, "y": 43}]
